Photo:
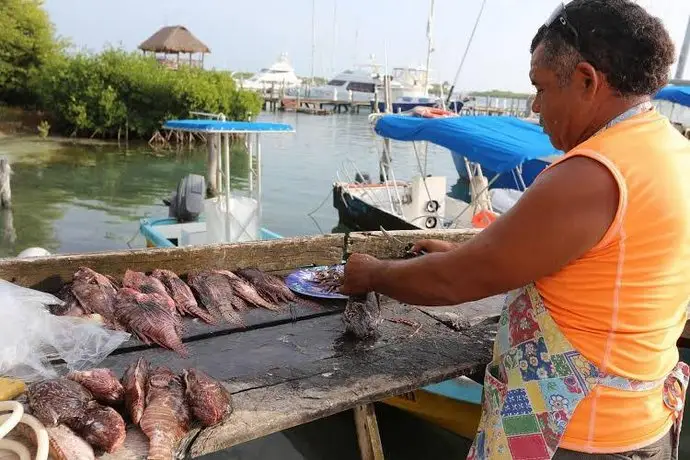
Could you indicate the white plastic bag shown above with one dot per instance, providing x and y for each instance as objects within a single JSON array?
[{"x": 30, "y": 336}]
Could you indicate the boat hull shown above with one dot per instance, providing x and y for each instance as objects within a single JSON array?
[
  {"x": 357, "y": 214},
  {"x": 407, "y": 106}
]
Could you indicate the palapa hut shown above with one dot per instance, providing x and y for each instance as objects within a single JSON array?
[{"x": 171, "y": 41}]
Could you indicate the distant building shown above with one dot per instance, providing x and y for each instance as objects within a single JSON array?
[{"x": 172, "y": 41}]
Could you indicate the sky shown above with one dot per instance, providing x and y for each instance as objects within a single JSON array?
[{"x": 247, "y": 35}]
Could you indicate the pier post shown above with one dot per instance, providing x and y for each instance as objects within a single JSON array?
[
  {"x": 368, "y": 437},
  {"x": 5, "y": 192}
]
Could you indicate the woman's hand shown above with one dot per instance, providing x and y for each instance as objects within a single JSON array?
[
  {"x": 360, "y": 270},
  {"x": 430, "y": 246}
]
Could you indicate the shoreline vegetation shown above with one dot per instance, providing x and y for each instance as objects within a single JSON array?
[{"x": 49, "y": 88}]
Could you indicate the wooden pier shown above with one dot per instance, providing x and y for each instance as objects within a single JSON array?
[{"x": 312, "y": 106}]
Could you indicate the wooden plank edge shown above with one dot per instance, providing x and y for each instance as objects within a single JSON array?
[{"x": 393, "y": 244}]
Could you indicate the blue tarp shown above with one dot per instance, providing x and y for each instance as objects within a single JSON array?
[
  {"x": 677, "y": 94},
  {"x": 218, "y": 126},
  {"x": 497, "y": 143}
]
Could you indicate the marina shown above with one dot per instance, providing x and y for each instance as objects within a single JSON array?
[{"x": 193, "y": 237}]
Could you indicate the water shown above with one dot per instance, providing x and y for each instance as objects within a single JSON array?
[{"x": 72, "y": 198}]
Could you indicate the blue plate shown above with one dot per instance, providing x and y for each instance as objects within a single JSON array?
[{"x": 301, "y": 282}]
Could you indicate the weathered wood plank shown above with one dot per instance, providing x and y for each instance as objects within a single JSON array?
[
  {"x": 256, "y": 318},
  {"x": 265, "y": 363},
  {"x": 394, "y": 244},
  {"x": 355, "y": 379},
  {"x": 368, "y": 436},
  {"x": 465, "y": 316},
  {"x": 50, "y": 273}
]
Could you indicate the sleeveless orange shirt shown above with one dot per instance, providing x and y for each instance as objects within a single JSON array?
[{"x": 623, "y": 303}]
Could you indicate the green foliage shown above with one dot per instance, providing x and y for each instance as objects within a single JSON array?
[
  {"x": 26, "y": 42},
  {"x": 107, "y": 93}
]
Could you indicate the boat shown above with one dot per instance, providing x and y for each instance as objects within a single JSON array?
[
  {"x": 489, "y": 149},
  {"x": 357, "y": 84},
  {"x": 280, "y": 75},
  {"x": 673, "y": 101},
  {"x": 194, "y": 219}
]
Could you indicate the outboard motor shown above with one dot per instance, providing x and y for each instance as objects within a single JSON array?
[{"x": 187, "y": 203}]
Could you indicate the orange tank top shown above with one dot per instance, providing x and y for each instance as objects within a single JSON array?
[{"x": 623, "y": 303}]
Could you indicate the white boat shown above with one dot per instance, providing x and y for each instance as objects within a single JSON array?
[
  {"x": 231, "y": 217},
  {"x": 280, "y": 75},
  {"x": 357, "y": 84}
]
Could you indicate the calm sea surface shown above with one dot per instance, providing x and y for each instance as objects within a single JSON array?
[{"x": 83, "y": 198}]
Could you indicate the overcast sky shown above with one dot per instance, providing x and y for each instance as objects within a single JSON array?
[{"x": 247, "y": 35}]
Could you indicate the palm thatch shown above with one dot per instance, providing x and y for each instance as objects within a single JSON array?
[{"x": 173, "y": 40}]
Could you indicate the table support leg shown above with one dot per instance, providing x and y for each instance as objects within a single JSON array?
[{"x": 368, "y": 433}]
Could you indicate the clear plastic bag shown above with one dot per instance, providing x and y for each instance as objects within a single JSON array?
[{"x": 30, "y": 336}]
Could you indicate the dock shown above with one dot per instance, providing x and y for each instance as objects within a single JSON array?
[{"x": 312, "y": 106}]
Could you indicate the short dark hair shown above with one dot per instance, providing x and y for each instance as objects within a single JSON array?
[{"x": 619, "y": 38}]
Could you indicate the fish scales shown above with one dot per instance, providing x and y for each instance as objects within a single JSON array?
[
  {"x": 139, "y": 281},
  {"x": 273, "y": 287},
  {"x": 102, "y": 383},
  {"x": 60, "y": 400},
  {"x": 166, "y": 417},
  {"x": 95, "y": 294},
  {"x": 101, "y": 426},
  {"x": 208, "y": 399},
  {"x": 148, "y": 317},
  {"x": 134, "y": 382},
  {"x": 182, "y": 295},
  {"x": 244, "y": 290},
  {"x": 215, "y": 292}
]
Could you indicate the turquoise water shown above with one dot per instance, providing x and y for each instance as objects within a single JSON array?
[{"x": 82, "y": 198}]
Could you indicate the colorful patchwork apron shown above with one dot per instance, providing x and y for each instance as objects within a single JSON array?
[{"x": 536, "y": 380}]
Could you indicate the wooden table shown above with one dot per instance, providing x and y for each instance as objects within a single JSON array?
[{"x": 294, "y": 367}]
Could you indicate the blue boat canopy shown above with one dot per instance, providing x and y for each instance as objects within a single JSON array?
[
  {"x": 497, "y": 143},
  {"x": 219, "y": 126},
  {"x": 678, "y": 94}
]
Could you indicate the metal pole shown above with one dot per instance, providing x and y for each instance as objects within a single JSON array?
[
  {"x": 258, "y": 181},
  {"x": 462, "y": 61},
  {"x": 430, "y": 48},
  {"x": 226, "y": 164},
  {"x": 682, "y": 58},
  {"x": 313, "y": 38}
]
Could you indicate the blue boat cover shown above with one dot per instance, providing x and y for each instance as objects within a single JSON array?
[
  {"x": 499, "y": 143},
  {"x": 677, "y": 94},
  {"x": 218, "y": 126}
]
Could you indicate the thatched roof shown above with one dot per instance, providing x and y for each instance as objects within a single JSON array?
[{"x": 174, "y": 39}]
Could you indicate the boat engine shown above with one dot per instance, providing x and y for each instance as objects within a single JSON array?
[{"x": 187, "y": 202}]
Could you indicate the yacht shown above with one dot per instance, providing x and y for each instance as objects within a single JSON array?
[
  {"x": 356, "y": 84},
  {"x": 280, "y": 75}
]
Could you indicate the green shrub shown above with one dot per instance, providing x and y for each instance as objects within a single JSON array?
[
  {"x": 27, "y": 41},
  {"x": 103, "y": 94}
]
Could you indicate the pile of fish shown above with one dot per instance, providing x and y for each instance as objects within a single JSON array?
[
  {"x": 330, "y": 279},
  {"x": 80, "y": 413},
  {"x": 151, "y": 307}
]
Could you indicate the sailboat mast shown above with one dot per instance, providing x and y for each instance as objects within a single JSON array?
[
  {"x": 313, "y": 38},
  {"x": 430, "y": 48},
  {"x": 683, "y": 57}
]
